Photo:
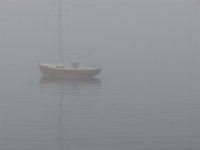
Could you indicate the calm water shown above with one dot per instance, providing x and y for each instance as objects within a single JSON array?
[{"x": 146, "y": 98}]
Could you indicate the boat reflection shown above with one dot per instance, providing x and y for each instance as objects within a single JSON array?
[
  {"x": 63, "y": 88},
  {"x": 86, "y": 87}
]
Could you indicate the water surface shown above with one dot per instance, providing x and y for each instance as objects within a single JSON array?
[{"x": 146, "y": 98}]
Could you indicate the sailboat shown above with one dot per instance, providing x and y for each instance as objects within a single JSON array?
[{"x": 67, "y": 70}]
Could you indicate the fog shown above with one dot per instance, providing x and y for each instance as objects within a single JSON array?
[{"x": 149, "y": 85}]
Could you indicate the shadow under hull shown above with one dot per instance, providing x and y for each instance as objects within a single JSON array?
[{"x": 65, "y": 80}]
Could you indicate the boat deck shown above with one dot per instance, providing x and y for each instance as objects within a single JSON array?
[{"x": 73, "y": 66}]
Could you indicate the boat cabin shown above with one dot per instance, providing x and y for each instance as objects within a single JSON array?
[
  {"x": 60, "y": 66},
  {"x": 75, "y": 65}
]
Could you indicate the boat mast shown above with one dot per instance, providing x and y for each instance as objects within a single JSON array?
[{"x": 59, "y": 30}]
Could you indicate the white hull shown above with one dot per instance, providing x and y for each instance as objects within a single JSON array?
[{"x": 69, "y": 70}]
